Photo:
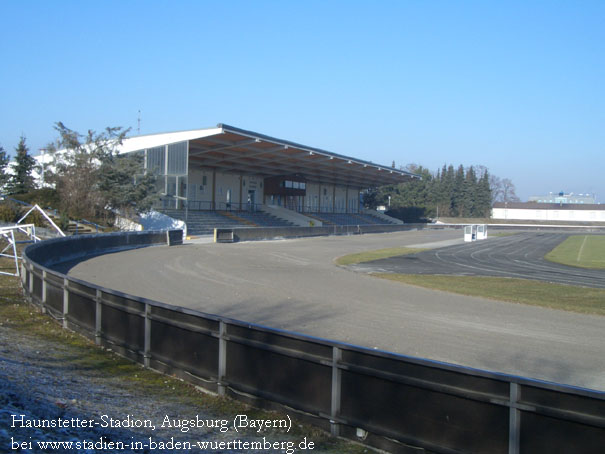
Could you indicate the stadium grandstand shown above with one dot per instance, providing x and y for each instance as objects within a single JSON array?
[{"x": 226, "y": 176}]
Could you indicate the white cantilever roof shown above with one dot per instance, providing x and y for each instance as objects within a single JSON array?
[{"x": 229, "y": 149}]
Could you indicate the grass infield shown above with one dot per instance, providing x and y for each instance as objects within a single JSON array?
[
  {"x": 583, "y": 251},
  {"x": 368, "y": 256},
  {"x": 555, "y": 296}
]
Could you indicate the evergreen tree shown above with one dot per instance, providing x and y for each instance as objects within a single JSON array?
[
  {"x": 484, "y": 196},
  {"x": 4, "y": 176},
  {"x": 459, "y": 193},
  {"x": 448, "y": 192},
  {"x": 90, "y": 177},
  {"x": 471, "y": 191},
  {"x": 124, "y": 186},
  {"x": 22, "y": 180}
]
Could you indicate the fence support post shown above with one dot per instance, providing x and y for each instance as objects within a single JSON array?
[
  {"x": 31, "y": 281},
  {"x": 514, "y": 429},
  {"x": 44, "y": 292},
  {"x": 98, "y": 315},
  {"x": 222, "y": 358},
  {"x": 336, "y": 388},
  {"x": 65, "y": 301},
  {"x": 147, "y": 344},
  {"x": 23, "y": 273}
]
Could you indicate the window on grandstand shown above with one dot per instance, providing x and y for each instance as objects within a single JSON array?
[
  {"x": 156, "y": 160},
  {"x": 177, "y": 159}
]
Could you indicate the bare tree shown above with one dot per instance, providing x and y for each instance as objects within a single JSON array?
[
  {"x": 508, "y": 191},
  {"x": 495, "y": 184}
]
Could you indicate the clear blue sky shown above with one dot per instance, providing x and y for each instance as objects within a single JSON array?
[{"x": 518, "y": 87}]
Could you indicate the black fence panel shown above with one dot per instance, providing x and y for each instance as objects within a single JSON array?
[
  {"x": 82, "y": 310},
  {"x": 428, "y": 373},
  {"x": 175, "y": 237},
  {"x": 583, "y": 406},
  {"x": 37, "y": 281},
  {"x": 54, "y": 297},
  {"x": 193, "y": 351},
  {"x": 423, "y": 404},
  {"x": 124, "y": 328},
  {"x": 284, "y": 341},
  {"x": 180, "y": 318},
  {"x": 423, "y": 417},
  {"x": 543, "y": 434},
  {"x": 55, "y": 280},
  {"x": 285, "y": 379},
  {"x": 60, "y": 250}
]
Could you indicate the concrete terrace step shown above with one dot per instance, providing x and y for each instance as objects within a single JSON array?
[{"x": 204, "y": 222}]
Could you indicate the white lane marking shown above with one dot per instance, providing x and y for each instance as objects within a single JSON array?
[{"x": 581, "y": 248}]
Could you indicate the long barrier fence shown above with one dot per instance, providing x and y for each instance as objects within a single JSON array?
[
  {"x": 395, "y": 402},
  {"x": 236, "y": 234}
]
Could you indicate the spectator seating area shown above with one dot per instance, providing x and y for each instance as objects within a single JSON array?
[
  {"x": 204, "y": 222},
  {"x": 348, "y": 219}
]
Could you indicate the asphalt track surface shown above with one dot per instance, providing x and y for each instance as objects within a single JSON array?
[
  {"x": 295, "y": 285},
  {"x": 516, "y": 256}
]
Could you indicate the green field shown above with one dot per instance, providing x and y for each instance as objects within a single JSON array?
[
  {"x": 555, "y": 296},
  {"x": 535, "y": 293},
  {"x": 368, "y": 256},
  {"x": 584, "y": 251}
]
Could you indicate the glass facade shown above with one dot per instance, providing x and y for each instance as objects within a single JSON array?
[{"x": 169, "y": 164}]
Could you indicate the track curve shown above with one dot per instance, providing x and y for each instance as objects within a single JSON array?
[
  {"x": 294, "y": 285},
  {"x": 517, "y": 256}
]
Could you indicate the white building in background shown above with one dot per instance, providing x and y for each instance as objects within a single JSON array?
[
  {"x": 535, "y": 211},
  {"x": 562, "y": 197}
]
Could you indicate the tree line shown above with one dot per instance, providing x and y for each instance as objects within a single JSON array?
[
  {"x": 449, "y": 192},
  {"x": 87, "y": 177}
]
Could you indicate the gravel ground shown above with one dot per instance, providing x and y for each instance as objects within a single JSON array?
[{"x": 43, "y": 383}]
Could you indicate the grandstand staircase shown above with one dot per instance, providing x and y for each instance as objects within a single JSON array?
[
  {"x": 204, "y": 222},
  {"x": 350, "y": 219}
]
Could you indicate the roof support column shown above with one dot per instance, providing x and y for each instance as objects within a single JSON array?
[
  {"x": 241, "y": 203},
  {"x": 213, "y": 205},
  {"x": 346, "y": 199},
  {"x": 334, "y": 199}
]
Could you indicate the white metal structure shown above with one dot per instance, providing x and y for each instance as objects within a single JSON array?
[
  {"x": 470, "y": 233},
  {"x": 475, "y": 232},
  {"x": 46, "y": 216},
  {"x": 8, "y": 234},
  {"x": 481, "y": 231}
]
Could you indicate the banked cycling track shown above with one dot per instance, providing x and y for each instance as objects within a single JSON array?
[{"x": 295, "y": 285}]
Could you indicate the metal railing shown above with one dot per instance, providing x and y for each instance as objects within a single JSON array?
[{"x": 384, "y": 399}]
